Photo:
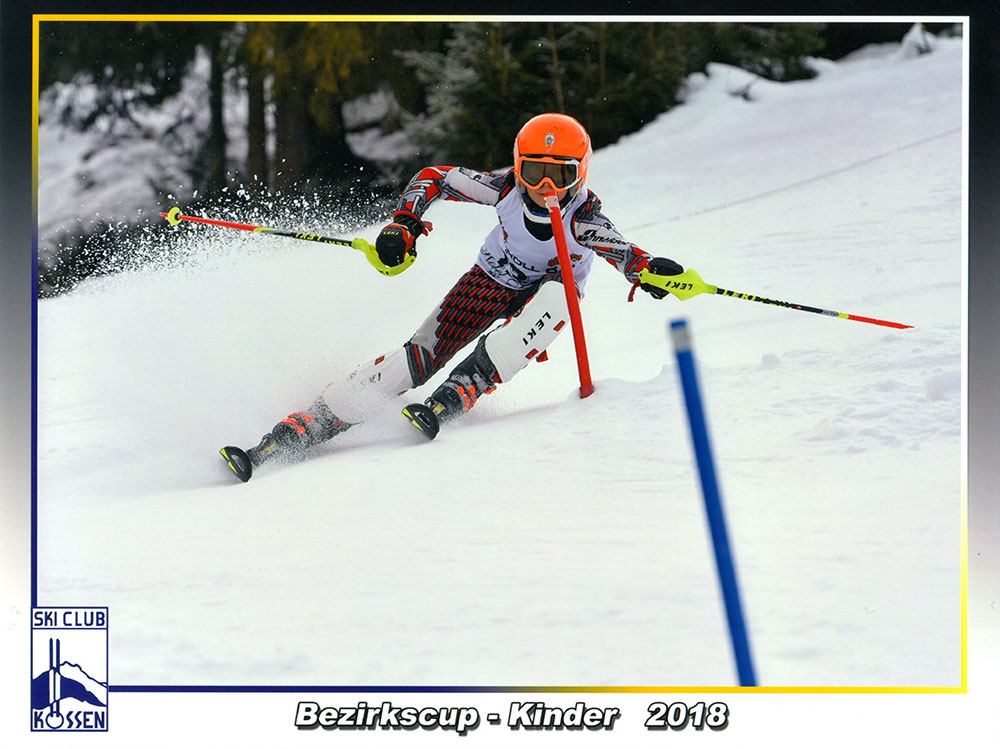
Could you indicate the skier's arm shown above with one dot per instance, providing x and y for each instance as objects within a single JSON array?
[
  {"x": 592, "y": 229},
  {"x": 397, "y": 241},
  {"x": 452, "y": 183}
]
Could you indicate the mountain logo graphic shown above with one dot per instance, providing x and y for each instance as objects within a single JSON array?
[{"x": 65, "y": 696}]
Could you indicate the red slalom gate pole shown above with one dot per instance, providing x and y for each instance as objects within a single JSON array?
[{"x": 572, "y": 299}]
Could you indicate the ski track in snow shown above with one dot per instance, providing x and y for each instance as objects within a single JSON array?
[{"x": 547, "y": 539}]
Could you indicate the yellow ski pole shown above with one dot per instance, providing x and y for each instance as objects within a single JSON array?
[{"x": 689, "y": 284}]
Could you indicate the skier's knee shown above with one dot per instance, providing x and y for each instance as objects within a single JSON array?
[
  {"x": 378, "y": 380},
  {"x": 394, "y": 373},
  {"x": 420, "y": 363}
]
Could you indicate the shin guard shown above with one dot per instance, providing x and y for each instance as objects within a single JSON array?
[{"x": 530, "y": 332}]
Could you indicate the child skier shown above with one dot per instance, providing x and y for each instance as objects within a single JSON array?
[{"x": 515, "y": 278}]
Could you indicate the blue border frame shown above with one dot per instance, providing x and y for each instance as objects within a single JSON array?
[{"x": 34, "y": 401}]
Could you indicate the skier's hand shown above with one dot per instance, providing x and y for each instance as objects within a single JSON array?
[
  {"x": 659, "y": 269},
  {"x": 399, "y": 240}
]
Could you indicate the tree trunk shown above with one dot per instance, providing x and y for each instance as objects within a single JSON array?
[
  {"x": 292, "y": 134},
  {"x": 257, "y": 175},
  {"x": 602, "y": 56},
  {"x": 216, "y": 145},
  {"x": 556, "y": 75}
]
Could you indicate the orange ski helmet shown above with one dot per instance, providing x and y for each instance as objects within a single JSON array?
[{"x": 552, "y": 151}]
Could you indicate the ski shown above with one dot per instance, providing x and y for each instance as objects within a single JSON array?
[
  {"x": 238, "y": 461},
  {"x": 423, "y": 418}
]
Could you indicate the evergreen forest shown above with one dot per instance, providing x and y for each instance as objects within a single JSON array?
[{"x": 309, "y": 93}]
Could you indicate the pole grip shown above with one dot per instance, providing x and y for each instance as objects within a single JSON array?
[{"x": 681, "y": 338}]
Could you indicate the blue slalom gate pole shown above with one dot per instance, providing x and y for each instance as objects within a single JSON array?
[{"x": 681, "y": 337}]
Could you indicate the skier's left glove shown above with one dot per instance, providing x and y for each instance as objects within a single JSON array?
[
  {"x": 396, "y": 246},
  {"x": 656, "y": 276}
]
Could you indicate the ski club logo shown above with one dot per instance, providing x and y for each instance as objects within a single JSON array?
[
  {"x": 550, "y": 140},
  {"x": 69, "y": 669}
]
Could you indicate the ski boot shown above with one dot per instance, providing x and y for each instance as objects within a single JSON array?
[
  {"x": 470, "y": 380},
  {"x": 288, "y": 440}
]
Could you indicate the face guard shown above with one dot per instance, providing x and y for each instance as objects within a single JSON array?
[{"x": 539, "y": 172}]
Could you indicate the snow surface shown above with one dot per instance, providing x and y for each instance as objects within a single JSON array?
[{"x": 549, "y": 540}]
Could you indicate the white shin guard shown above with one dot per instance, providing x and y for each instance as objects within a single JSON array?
[
  {"x": 530, "y": 332},
  {"x": 369, "y": 385},
  {"x": 388, "y": 374}
]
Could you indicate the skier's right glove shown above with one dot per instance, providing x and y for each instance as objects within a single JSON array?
[{"x": 396, "y": 244}]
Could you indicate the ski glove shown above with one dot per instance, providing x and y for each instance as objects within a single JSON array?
[
  {"x": 658, "y": 270},
  {"x": 399, "y": 239}
]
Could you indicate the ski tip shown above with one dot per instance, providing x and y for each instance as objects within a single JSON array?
[
  {"x": 423, "y": 419},
  {"x": 238, "y": 461}
]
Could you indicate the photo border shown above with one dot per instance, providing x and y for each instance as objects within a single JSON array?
[
  {"x": 979, "y": 419},
  {"x": 362, "y": 18}
]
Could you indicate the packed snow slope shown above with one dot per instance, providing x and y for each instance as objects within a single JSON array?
[{"x": 547, "y": 539}]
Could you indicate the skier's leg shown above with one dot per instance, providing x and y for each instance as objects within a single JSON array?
[
  {"x": 371, "y": 383},
  {"x": 374, "y": 382},
  {"x": 299, "y": 430},
  {"x": 473, "y": 303},
  {"x": 503, "y": 352}
]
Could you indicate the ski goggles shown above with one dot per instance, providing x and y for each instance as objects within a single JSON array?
[{"x": 534, "y": 171}]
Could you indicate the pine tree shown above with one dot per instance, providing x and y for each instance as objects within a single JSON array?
[
  {"x": 775, "y": 51},
  {"x": 492, "y": 77}
]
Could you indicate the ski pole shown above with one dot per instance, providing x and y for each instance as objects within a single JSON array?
[
  {"x": 689, "y": 284},
  {"x": 174, "y": 217}
]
